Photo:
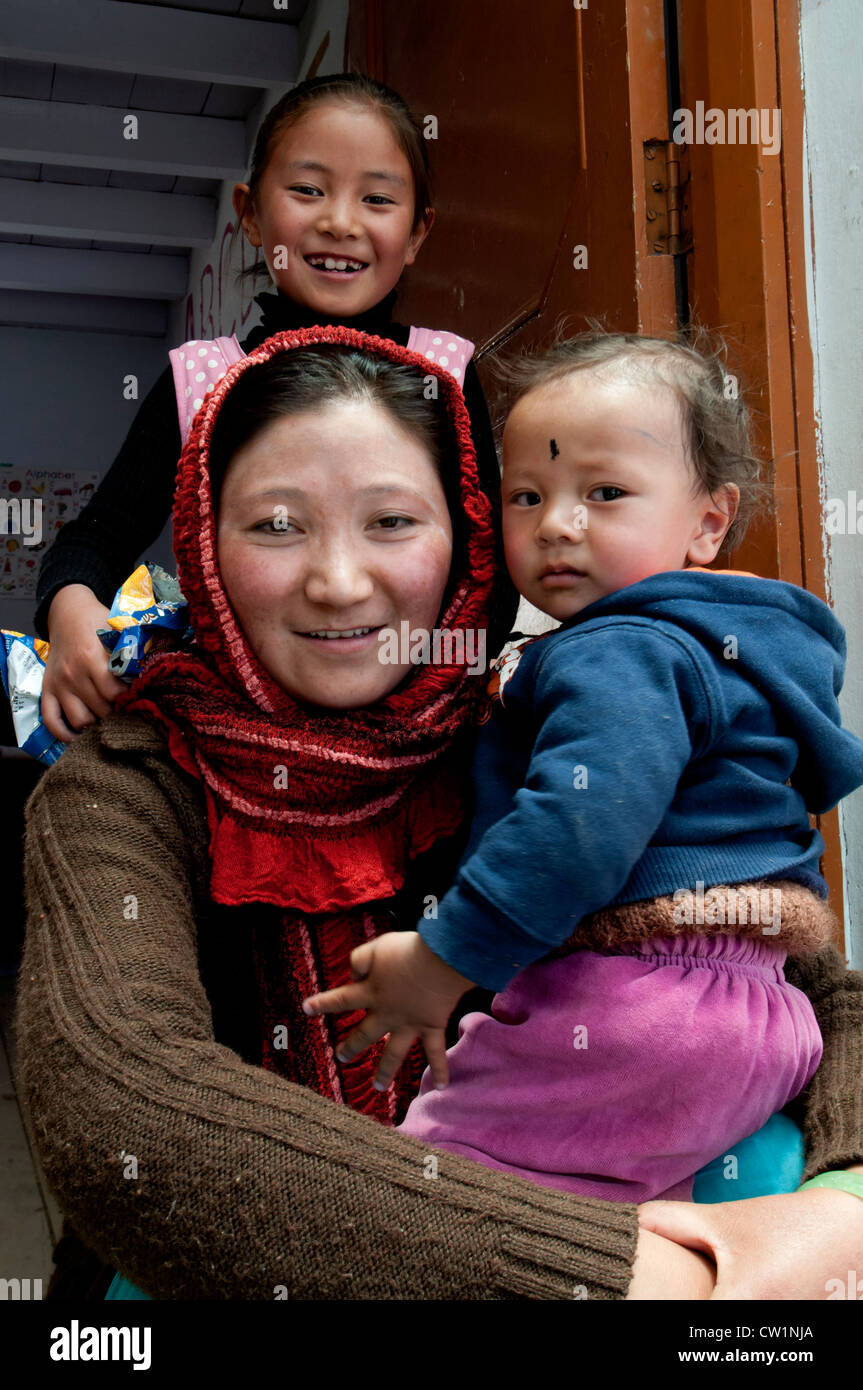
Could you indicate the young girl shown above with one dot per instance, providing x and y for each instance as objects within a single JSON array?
[
  {"x": 339, "y": 201},
  {"x": 672, "y": 736}
]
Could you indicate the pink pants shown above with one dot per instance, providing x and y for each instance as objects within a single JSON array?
[{"x": 620, "y": 1075}]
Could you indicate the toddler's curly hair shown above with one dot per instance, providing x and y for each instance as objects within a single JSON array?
[{"x": 716, "y": 420}]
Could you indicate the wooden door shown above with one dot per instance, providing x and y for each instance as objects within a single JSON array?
[{"x": 542, "y": 112}]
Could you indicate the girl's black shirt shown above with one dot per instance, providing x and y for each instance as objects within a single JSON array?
[{"x": 129, "y": 509}]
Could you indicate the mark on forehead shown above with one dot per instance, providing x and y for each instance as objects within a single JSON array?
[
  {"x": 552, "y": 444},
  {"x": 652, "y": 437}
]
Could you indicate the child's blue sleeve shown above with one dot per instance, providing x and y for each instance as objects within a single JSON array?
[{"x": 619, "y": 712}]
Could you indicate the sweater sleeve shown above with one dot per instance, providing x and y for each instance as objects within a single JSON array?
[
  {"x": 202, "y": 1177},
  {"x": 830, "y": 1110},
  {"x": 617, "y": 712},
  {"x": 126, "y": 513}
]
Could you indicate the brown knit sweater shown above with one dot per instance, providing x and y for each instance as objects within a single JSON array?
[{"x": 244, "y": 1182}]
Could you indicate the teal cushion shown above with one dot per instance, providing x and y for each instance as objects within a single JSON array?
[
  {"x": 121, "y": 1288},
  {"x": 770, "y": 1160}
]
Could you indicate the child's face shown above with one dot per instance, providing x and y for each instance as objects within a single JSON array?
[
  {"x": 338, "y": 187},
  {"x": 330, "y": 521},
  {"x": 598, "y": 492}
]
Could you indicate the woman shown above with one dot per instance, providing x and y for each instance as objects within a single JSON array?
[{"x": 194, "y": 873}]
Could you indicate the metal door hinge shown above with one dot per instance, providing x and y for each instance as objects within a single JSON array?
[{"x": 666, "y": 187}]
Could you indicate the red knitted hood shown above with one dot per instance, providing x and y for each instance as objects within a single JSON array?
[
  {"x": 367, "y": 789},
  {"x": 216, "y": 628}
]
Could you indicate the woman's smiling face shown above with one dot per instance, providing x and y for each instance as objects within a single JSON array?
[{"x": 333, "y": 521}]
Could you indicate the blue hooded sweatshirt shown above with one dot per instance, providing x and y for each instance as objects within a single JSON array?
[{"x": 677, "y": 731}]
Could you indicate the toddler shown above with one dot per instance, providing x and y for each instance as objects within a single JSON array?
[{"x": 641, "y": 861}]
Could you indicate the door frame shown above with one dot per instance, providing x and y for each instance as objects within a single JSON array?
[{"x": 747, "y": 276}]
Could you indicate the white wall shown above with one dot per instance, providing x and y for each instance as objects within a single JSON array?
[
  {"x": 831, "y": 45},
  {"x": 63, "y": 408}
]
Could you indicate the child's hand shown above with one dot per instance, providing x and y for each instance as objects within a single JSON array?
[
  {"x": 77, "y": 683},
  {"x": 409, "y": 992}
]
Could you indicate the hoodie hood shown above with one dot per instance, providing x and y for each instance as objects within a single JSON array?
[{"x": 783, "y": 640}]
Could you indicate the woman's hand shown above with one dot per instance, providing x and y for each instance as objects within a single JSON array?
[
  {"x": 77, "y": 689},
  {"x": 408, "y": 991},
  {"x": 792, "y": 1245},
  {"x": 666, "y": 1271}
]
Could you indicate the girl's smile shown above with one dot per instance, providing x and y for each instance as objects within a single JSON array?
[{"x": 339, "y": 266}]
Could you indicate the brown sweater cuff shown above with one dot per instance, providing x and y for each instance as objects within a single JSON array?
[{"x": 831, "y": 1108}]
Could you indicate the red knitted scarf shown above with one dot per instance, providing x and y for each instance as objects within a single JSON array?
[{"x": 317, "y": 812}]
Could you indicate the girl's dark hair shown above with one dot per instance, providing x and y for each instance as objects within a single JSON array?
[
  {"x": 716, "y": 420},
  {"x": 346, "y": 87},
  {"x": 310, "y": 378}
]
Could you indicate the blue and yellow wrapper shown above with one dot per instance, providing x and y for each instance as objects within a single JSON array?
[
  {"x": 22, "y": 667},
  {"x": 148, "y": 614}
]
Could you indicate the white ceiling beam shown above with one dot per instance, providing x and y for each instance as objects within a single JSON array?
[
  {"x": 56, "y": 270},
  {"x": 105, "y": 214},
  {"x": 140, "y": 318},
  {"x": 92, "y": 137},
  {"x": 162, "y": 42}
]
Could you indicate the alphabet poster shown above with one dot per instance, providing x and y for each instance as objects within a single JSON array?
[{"x": 34, "y": 504}]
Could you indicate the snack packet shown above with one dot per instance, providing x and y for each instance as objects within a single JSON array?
[
  {"x": 148, "y": 613},
  {"x": 22, "y": 666}
]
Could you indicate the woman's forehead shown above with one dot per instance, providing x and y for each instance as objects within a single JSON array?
[
  {"x": 344, "y": 444},
  {"x": 339, "y": 427}
]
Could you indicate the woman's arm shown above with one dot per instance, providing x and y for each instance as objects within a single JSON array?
[{"x": 196, "y": 1174}]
